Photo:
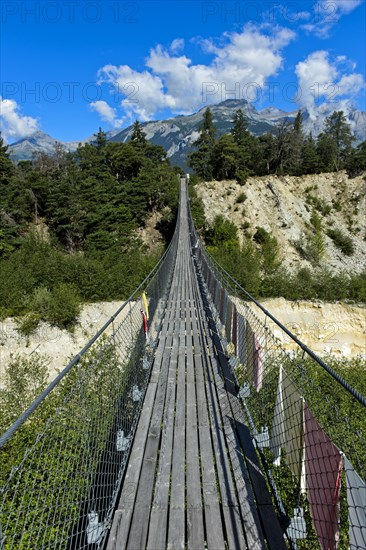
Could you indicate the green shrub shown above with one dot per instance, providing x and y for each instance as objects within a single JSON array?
[
  {"x": 28, "y": 324},
  {"x": 316, "y": 221},
  {"x": 24, "y": 379},
  {"x": 241, "y": 198},
  {"x": 270, "y": 252},
  {"x": 242, "y": 176},
  {"x": 341, "y": 241},
  {"x": 222, "y": 233},
  {"x": 337, "y": 205},
  {"x": 261, "y": 235},
  {"x": 64, "y": 306},
  {"x": 40, "y": 301},
  {"x": 315, "y": 247}
]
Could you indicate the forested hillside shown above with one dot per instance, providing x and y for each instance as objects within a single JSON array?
[
  {"x": 283, "y": 212},
  {"x": 288, "y": 150},
  {"x": 69, "y": 225}
]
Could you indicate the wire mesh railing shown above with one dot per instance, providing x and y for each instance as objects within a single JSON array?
[
  {"x": 62, "y": 461},
  {"x": 308, "y": 424}
]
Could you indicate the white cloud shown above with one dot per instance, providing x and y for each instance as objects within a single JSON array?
[
  {"x": 172, "y": 81},
  {"x": 327, "y": 13},
  {"x": 321, "y": 79},
  {"x": 346, "y": 6},
  {"x": 302, "y": 15},
  {"x": 105, "y": 111},
  {"x": 13, "y": 124},
  {"x": 143, "y": 93},
  {"x": 177, "y": 45}
]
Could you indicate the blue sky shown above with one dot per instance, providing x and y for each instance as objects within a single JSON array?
[{"x": 68, "y": 67}]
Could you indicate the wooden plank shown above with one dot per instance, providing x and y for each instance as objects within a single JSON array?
[
  {"x": 141, "y": 513},
  {"x": 231, "y": 511},
  {"x": 195, "y": 520},
  {"x": 122, "y": 517},
  {"x": 214, "y": 528},
  {"x": 159, "y": 511},
  {"x": 176, "y": 530},
  {"x": 249, "y": 514},
  {"x": 259, "y": 485},
  {"x": 233, "y": 521}
]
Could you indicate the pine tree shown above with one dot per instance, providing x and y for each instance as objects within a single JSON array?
[
  {"x": 335, "y": 143},
  {"x": 244, "y": 140},
  {"x": 296, "y": 146},
  {"x": 201, "y": 160},
  {"x": 100, "y": 138},
  {"x": 226, "y": 153},
  {"x": 138, "y": 135},
  {"x": 6, "y": 166},
  {"x": 240, "y": 128},
  {"x": 283, "y": 146},
  {"x": 356, "y": 163},
  {"x": 310, "y": 159},
  {"x": 266, "y": 155}
]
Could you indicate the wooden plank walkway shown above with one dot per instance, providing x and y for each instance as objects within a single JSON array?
[{"x": 187, "y": 483}]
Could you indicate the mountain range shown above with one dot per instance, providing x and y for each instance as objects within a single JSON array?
[{"x": 178, "y": 134}]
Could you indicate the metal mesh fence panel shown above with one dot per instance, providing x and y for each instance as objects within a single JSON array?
[
  {"x": 307, "y": 423},
  {"x": 61, "y": 469}
]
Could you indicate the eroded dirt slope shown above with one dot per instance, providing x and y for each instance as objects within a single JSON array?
[{"x": 284, "y": 205}]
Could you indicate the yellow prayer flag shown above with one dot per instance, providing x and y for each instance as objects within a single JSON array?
[{"x": 146, "y": 307}]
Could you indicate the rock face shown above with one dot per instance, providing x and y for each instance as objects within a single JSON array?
[
  {"x": 39, "y": 142},
  {"x": 336, "y": 329},
  {"x": 59, "y": 346},
  {"x": 283, "y": 206}
]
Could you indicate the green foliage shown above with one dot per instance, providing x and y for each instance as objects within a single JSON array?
[
  {"x": 261, "y": 235},
  {"x": 76, "y": 419},
  {"x": 201, "y": 160},
  {"x": 356, "y": 162},
  {"x": 285, "y": 151},
  {"x": 24, "y": 379},
  {"x": 196, "y": 204},
  {"x": 241, "y": 176},
  {"x": 315, "y": 247},
  {"x": 315, "y": 220},
  {"x": 64, "y": 306},
  {"x": 243, "y": 263},
  {"x": 241, "y": 198},
  {"x": 138, "y": 135},
  {"x": 225, "y": 157},
  {"x": 28, "y": 324},
  {"x": 73, "y": 219},
  {"x": 342, "y": 241},
  {"x": 319, "y": 204},
  {"x": 222, "y": 233},
  {"x": 335, "y": 143}
]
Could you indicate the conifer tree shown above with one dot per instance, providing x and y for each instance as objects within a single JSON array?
[
  {"x": 310, "y": 159},
  {"x": 202, "y": 159},
  {"x": 296, "y": 145},
  {"x": 335, "y": 143},
  {"x": 138, "y": 135},
  {"x": 240, "y": 128}
]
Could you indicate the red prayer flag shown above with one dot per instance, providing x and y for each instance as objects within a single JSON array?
[
  {"x": 144, "y": 321},
  {"x": 323, "y": 467}
]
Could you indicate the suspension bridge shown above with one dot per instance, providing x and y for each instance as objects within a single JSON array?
[{"x": 189, "y": 427}]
